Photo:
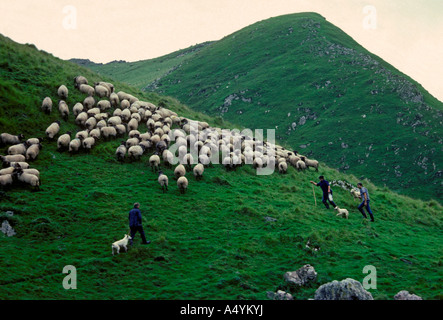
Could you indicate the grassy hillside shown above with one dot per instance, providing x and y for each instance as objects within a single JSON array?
[
  {"x": 325, "y": 95},
  {"x": 211, "y": 243}
]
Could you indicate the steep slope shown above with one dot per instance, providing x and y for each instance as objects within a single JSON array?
[
  {"x": 325, "y": 95},
  {"x": 211, "y": 243}
]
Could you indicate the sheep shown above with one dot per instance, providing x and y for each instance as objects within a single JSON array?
[
  {"x": 81, "y": 119},
  {"x": 168, "y": 157},
  {"x": 300, "y": 165},
  {"x": 137, "y": 117},
  {"x": 95, "y": 133},
  {"x": 107, "y": 85},
  {"x": 91, "y": 123},
  {"x": 63, "y": 141},
  {"x": 257, "y": 163},
  {"x": 101, "y": 116},
  {"x": 182, "y": 184},
  {"x": 104, "y": 105},
  {"x": 8, "y": 170},
  {"x": 132, "y": 142},
  {"x": 133, "y": 124},
  {"x": 123, "y": 243},
  {"x": 79, "y": 80},
  {"x": 282, "y": 167},
  {"x": 21, "y": 164},
  {"x": 32, "y": 141},
  {"x": 18, "y": 149},
  {"x": 120, "y": 153},
  {"x": 134, "y": 134},
  {"x": 101, "y": 91},
  {"x": 63, "y": 109},
  {"x": 113, "y": 121},
  {"x": 355, "y": 193},
  {"x": 124, "y": 104},
  {"x": 62, "y": 92},
  {"x": 28, "y": 178},
  {"x": 33, "y": 151},
  {"x": 87, "y": 89},
  {"x": 310, "y": 163},
  {"x": 53, "y": 130},
  {"x": 93, "y": 111},
  {"x": 121, "y": 129},
  {"x": 101, "y": 124},
  {"x": 77, "y": 109},
  {"x": 47, "y": 105},
  {"x": 89, "y": 102},
  {"x": 117, "y": 112},
  {"x": 135, "y": 152},
  {"x": 6, "y": 180},
  {"x": 163, "y": 181},
  {"x": 126, "y": 115},
  {"x": 161, "y": 146},
  {"x": 74, "y": 145},
  {"x": 9, "y": 139},
  {"x": 198, "y": 171},
  {"x": 82, "y": 135},
  {"x": 179, "y": 171},
  {"x": 88, "y": 143},
  {"x": 115, "y": 101},
  {"x": 154, "y": 162},
  {"x": 342, "y": 212},
  {"x": 293, "y": 160},
  {"x": 108, "y": 132}
]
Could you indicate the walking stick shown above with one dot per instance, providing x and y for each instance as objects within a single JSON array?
[{"x": 315, "y": 198}]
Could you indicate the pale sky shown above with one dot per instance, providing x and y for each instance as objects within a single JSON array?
[{"x": 408, "y": 33}]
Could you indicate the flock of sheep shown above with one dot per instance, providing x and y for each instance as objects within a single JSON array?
[{"x": 105, "y": 115}]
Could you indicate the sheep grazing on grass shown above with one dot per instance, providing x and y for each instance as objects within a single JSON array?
[
  {"x": 182, "y": 184},
  {"x": 355, "y": 193},
  {"x": 62, "y": 92},
  {"x": 87, "y": 89},
  {"x": 18, "y": 149},
  {"x": 32, "y": 141},
  {"x": 120, "y": 153},
  {"x": 342, "y": 212},
  {"x": 113, "y": 98},
  {"x": 107, "y": 85},
  {"x": 104, "y": 105},
  {"x": 310, "y": 163},
  {"x": 91, "y": 123},
  {"x": 282, "y": 167},
  {"x": 198, "y": 171},
  {"x": 81, "y": 119},
  {"x": 95, "y": 133},
  {"x": 74, "y": 145},
  {"x": 6, "y": 180},
  {"x": 168, "y": 158},
  {"x": 179, "y": 171},
  {"x": 154, "y": 162},
  {"x": 53, "y": 130},
  {"x": 108, "y": 132},
  {"x": 13, "y": 158},
  {"x": 63, "y": 141},
  {"x": 79, "y": 80},
  {"x": 136, "y": 152},
  {"x": 47, "y": 105},
  {"x": 88, "y": 143},
  {"x": 21, "y": 164},
  {"x": 27, "y": 178},
  {"x": 63, "y": 109},
  {"x": 101, "y": 91},
  {"x": 9, "y": 139},
  {"x": 33, "y": 151},
  {"x": 300, "y": 165},
  {"x": 115, "y": 120},
  {"x": 123, "y": 243},
  {"x": 163, "y": 181},
  {"x": 89, "y": 102},
  {"x": 82, "y": 135},
  {"x": 121, "y": 129},
  {"x": 77, "y": 109},
  {"x": 8, "y": 170}
]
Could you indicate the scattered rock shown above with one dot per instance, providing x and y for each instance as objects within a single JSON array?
[
  {"x": 405, "y": 295},
  {"x": 279, "y": 295},
  {"x": 348, "y": 289},
  {"x": 269, "y": 219},
  {"x": 7, "y": 229},
  {"x": 302, "y": 276}
]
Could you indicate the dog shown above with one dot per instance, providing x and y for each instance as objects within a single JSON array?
[
  {"x": 123, "y": 243},
  {"x": 342, "y": 212}
]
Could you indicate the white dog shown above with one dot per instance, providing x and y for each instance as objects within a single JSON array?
[
  {"x": 342, "y": 212},
  {"x": 121, "y": 243}
]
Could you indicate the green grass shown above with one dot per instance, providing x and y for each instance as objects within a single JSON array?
[
  {"x": 279, "y": 71},
  {"x": 211, "y": 243}
]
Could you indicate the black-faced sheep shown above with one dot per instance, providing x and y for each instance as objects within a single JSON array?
[
  {"x": 81, "y": 119},
  {"x": 282, "y": 167},
  {"x": 154, "y": 162},
  {"x": 198, "y": 171},
  {"x": 182, "y": 184},
  {"x": 87, "y": 89},
  {"x": 108, "y": 132},
  {"x": 9, "y": 139},
  {"x": 47, "y": 105},
  {"x": 53, "y": 130},
  {"x": 79, "y": 80},
  {"x": 62, "y": 92},
  {"x": 18, "y": 148},
  {"x": 33, "y": 151},
  {"x": 63, "y": 141},
  {"x": 135, "y": 152},
  {"x": 163, "y": 181},
  {"x": 74, "y": 145},
  {"x": 310, "y": 163},
  {"x": 120, "y": 153},
  {"x": 88, "y": 143},
  {"x": 89, "y": 103},
  {"x": 101, "y": 91},
  {"x": 63, "y": 109},
  {"x": 179, "y": 171}
]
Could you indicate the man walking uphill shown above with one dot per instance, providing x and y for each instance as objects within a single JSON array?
[
  {"x": 327, "y": 192},
  {"x": 135, "y": 223},
  {"x": 364, "y": 194}
]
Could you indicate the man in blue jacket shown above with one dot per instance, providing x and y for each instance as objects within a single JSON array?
[
  {"x": 135, "y": 224},
  {"x": 364, "y": 195},
  {"x": 327, "y": 192}
]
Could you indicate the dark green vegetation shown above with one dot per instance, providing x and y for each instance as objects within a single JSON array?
[
  {"x": 326, "y": 95},
  {"x": 211, "y": 243}
]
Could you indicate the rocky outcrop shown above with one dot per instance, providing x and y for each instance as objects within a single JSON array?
[
  {"x": 279, "y": 295},
  {"x": 302, "y": 276},
  {"x": 348, "y": 289},
  {"x": 405, "y": 295}
]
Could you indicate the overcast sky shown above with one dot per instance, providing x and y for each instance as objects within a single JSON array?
[{"x": 406, "y": 33}]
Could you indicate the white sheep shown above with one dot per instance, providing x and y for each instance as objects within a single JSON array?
[
  {"x": 132, "y": 142},
  {"x": 121, "y": 129},
  {"x": 18, "y": 149},
  {"x": 342, "y": 212},
  {"x": 120, "y": 153},
  {"x": 168, "y": 157},
  {"x": 108, "y": 132},
  {"x": 182, "y": 184},
  {"x": 63, "y": 141},
  {"x": 23, "y": 165},
  {"x": 355, "y": 193},
  {"x": 124, "y": 104},
  {"x": 8, "y": 170},
  {"x": 6, "y": 180},
  {"x": 82, "y": 135},
  {"x": 135, "y": 152},
  {"x": 13, "y": 158},
  {"x": 300, "y": 165},
  {"x": 79, "y": 80},
  {"x": 74, "y": 145},
  {"x": 88, "y": 143},
  {"x": 107, "y": 85},
  {"x": 282, "y": 167},
  {"x": 33, "y": 151},
  {"x": 95, "y": 133},
  {"x": 123, "y": 243},
  {"x": 47, "y": 105},
  {"x": 179, "y": 171},
  {"x": 86, "y": 89},
  {"x": 163, "y": 181},
  {"x": 115, "y": 101},
  {"x": 310, "y": 163},
  {"x": 63, "y": 109},
  {"x": 154, "y": 162},
  {"x": 91, "y": 123},
  {"x": 32, "y": 141},
  {"x": 101, "y": 91},
  {"x": 89, "y": 102},
  {"x": 113, "y": 121},
  {"x": 77, "y": 109},
  {"x": 104, "y": 105},
  {"x": 9, "y": 139},
  {"x": 198, "y": 171},
  {"x": 62, "y": 92},
  {"x": 81, "y": 119},
  {"x": 53, "y": 129},
  {"x": 28, "y": 178},
  {"x": 101, "y": 124},
  {"x": 133, "y": 124}
]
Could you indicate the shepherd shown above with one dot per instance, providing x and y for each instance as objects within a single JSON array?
[
  {"x": 364, "y": 195},
  {"x": 135, "y": 224},
  {"x": 327, "y": 192}
]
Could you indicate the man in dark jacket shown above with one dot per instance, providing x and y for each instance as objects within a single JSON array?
[
  {"x": 135, "y": 224},
  {"x": 327, "y": 192}
]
